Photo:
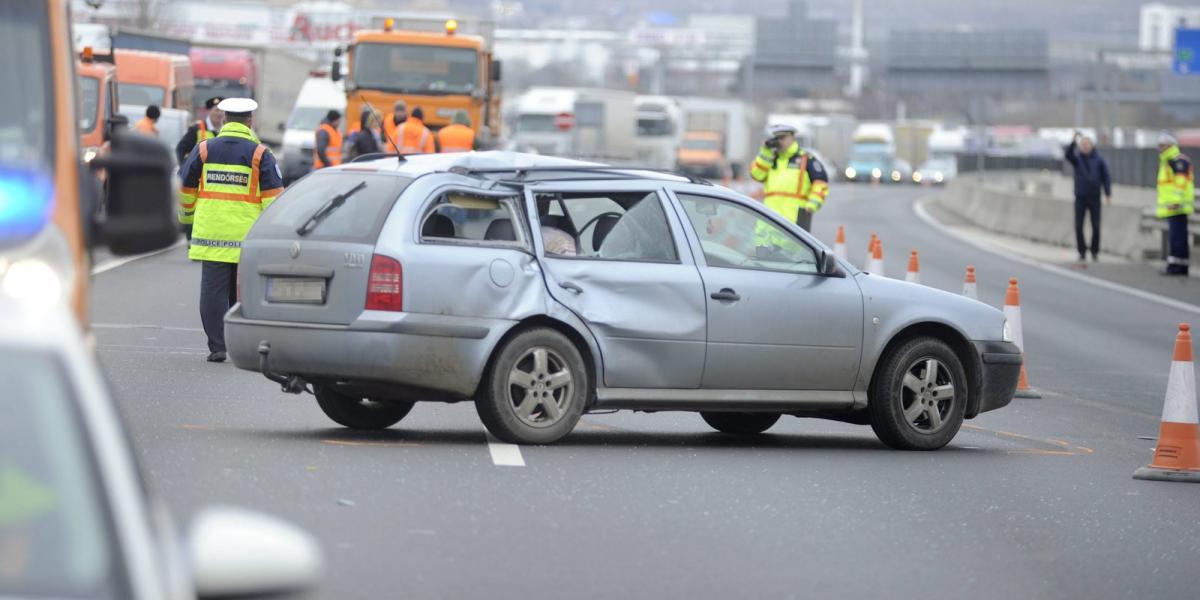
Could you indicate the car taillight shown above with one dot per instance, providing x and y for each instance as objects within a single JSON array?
[{"x": 385, "y": 284}]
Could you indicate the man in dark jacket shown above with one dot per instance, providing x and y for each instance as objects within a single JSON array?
[{"x": 1091, "y": 178}]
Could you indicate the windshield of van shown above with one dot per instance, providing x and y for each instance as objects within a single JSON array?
[
  {"x": 536, "y": 123},
  {"x": 54, "y": 535},
  {"x": 26, "y": 101},
  {"x": 415, "y": 69},
  {"x": 306, "y": 117},
  {"x": 140, "y": 95},
  {"x": 700, "y": 144},
  {"x": 89, "y": 101}
]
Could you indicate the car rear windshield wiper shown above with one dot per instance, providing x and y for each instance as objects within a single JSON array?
[{"x": 328, "y": 208}]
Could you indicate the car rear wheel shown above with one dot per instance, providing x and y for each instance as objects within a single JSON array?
[
  {"x": 740, "y": 423},
  {"x": 357, "y": 412},
  {"x": 918, "y": 396},
  {"x": 536, "y": 389}
]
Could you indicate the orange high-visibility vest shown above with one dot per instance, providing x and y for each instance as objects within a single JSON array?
[
  {"x": 456, "y": 138},
  {"x": 333, "y": 151},
  {"x": 415, "y": 137}
]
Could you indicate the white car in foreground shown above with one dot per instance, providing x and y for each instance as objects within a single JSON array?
[{"x": 76, "y": 520}]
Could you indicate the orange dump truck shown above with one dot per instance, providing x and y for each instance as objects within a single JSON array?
[
  {"x": 145, "y": 78},
  {"x": 442, "y": 71}
]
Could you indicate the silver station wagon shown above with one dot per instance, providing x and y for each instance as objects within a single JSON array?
[{"x": 541, "y": 289}]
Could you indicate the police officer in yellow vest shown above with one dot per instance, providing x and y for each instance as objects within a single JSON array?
[
  {"x": 794, "y": 182},
  {"x": 227, "y": 182},
  {"x": 1176, "y": 200}
]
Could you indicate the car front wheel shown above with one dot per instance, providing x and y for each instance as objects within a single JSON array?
[
  {"x": 357, "y": 412},
  {"x": 918, "y": 396},
  {"x": 740, "y": 423},
  {"x": 536, "y": 389}
]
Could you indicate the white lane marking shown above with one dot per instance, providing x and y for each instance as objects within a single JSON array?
[
  {"x": 923, "y": 214},
  {"x": 136, "y": 326},
  {"x": 504, "y": 455},
  {"x": 120, "y": 262}
]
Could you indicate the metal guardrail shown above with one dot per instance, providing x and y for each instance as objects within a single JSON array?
[{"x": 1127, "y": 166}]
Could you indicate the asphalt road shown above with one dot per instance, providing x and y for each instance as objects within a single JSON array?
[{"x": 1032, "y": 501}]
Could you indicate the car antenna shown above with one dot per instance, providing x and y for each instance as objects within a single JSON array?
[{"x": 384, "y": 129}]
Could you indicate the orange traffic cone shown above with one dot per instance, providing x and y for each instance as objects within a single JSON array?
[
  {"x": 969, "y": 284},
  {"x": 1177, "y": 455},
  {"x": 875, "y": 265},
  {"x": 839, "y": 244},
  {"x": 913, "y": 274},
  {"x": 1012, "y": 310}
]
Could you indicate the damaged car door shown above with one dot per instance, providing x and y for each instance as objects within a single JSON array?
[{"x": 617, "y": 259}]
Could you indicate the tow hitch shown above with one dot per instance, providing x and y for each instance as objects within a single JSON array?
[{"x": 292, "y": 384}]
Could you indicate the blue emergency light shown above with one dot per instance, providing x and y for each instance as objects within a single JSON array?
[{"x": 26, "y": 203}]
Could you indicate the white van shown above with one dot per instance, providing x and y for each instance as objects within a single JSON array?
[{"x": 317, "y": 97}]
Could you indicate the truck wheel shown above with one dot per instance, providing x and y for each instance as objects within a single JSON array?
[
  {"x": 740, "y": 423},
  {"x": 535, "y": 390},
  {"x": 359, "y": 413},
  {"x": 918, "y": 396}
]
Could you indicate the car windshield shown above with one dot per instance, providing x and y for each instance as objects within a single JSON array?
[
  {"x": 217, "y": 88},
  {"x": 54, "y": 537},
  {"x": 89, "y": 101},
  {"x": 306, "y": 117},
  {"x": 536, "y": 123},
  {"x": 140, "y": 95},
  {"x": 655, "y": 126},
  {"x": 413, "y": 69},
  {"x": 26, "y": 109},
  {"x": 700, "y": 144}
]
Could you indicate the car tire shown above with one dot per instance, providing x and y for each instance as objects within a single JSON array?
[
  {"x": 740, "y": 423},
  {"x": 918, "y": 396},
  {"x": 357, "y": 412},
  {"x": 536, "y": 389}
]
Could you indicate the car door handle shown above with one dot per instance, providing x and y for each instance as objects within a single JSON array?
[
  {"x": 725, "y": 294},
  {"x": 570, "y": 287}
]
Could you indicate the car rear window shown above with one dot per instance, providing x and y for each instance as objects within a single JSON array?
[{"x": 358, "y": 220}]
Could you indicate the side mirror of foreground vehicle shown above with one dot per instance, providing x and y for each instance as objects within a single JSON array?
[
  {"x": 240, "y": 553},
  {"x": 139, "y": 214},
  {"x": 829, "y": 265}
]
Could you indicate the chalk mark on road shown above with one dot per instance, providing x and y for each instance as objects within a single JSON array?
[
  {"x": 504, "y": 455},
  {"x": 1058, "y": 447}
]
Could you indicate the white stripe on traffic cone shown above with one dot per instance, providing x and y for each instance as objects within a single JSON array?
[
  {"x": 969, "y": 284},
  {"x": 1012, "y": 311},
  {"x": 839, "y": 244},
  {"x": 1177, "y": 454},
  {"x": 875, "y": 265},
  {"x": 913, "y": 275}
]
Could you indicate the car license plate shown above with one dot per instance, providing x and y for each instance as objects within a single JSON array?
[{"x": 298, "y": 290}]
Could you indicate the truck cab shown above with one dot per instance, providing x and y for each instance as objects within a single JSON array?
[
  {"x": 98, "y": 100},
  {"x": 442, "y": 72},
  {"x": 702, "y": 154},
  {"x": 145, "y": 78},
  {"x": 48, "y": 196}
]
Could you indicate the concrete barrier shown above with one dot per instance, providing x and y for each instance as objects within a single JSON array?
[{"x": 1039, "y": 207}]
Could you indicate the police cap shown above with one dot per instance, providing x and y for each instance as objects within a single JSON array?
[
  {"x": 212, "y": 103},
  {"x": 237, "y": 106}
]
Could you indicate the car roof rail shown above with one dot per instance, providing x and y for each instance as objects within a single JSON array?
[
  {"x": 521, "y": 174},
  {"x": 375, "y": 156}
]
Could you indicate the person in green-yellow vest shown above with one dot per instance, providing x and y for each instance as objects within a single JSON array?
[
  {"x": 227, "y": 182},
  {"x": 795, "y": 184},
  {"x": 1176, "y": 200}
]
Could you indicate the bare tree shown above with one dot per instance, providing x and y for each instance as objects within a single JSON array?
[{"x": 143, "y": 14}]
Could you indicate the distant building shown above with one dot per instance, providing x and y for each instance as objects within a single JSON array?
[
  {"x": 794, "y": 56},
  {"x": 1158, "y": 22}
]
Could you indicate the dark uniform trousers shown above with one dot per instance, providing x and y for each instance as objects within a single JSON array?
[
  {"x": 1178, "y": 241},
  {"x": 218, "y": 292}
]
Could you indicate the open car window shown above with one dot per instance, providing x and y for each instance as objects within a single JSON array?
[
  {"x": 611, "y": 226},
  {"x": 460, "y": 217},
  {"x": 736, "y": 237}
]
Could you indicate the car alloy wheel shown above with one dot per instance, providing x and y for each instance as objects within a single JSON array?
[
  {"x": 927, "y": 395},
  {"x": 540, "y": 386}
]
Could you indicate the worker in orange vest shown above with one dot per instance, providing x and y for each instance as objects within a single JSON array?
[
  {"x": 458, "y": 135},
  {"x": 415, "y": 137},
  {"x": 328, "y": 149},
  {"x": 391, "y": 126},
  {"x": 147, "y": 124}
]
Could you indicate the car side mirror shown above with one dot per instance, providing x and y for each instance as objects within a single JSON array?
[
  {"x": 113, "y": 124},
  {"x": 335, "y": 69},
  {"x": 139, "y": 212},
  {"x": 239, "y": 553},
  {"x": 829, "y": 264},
  {"x": 495, "y": 70}
]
